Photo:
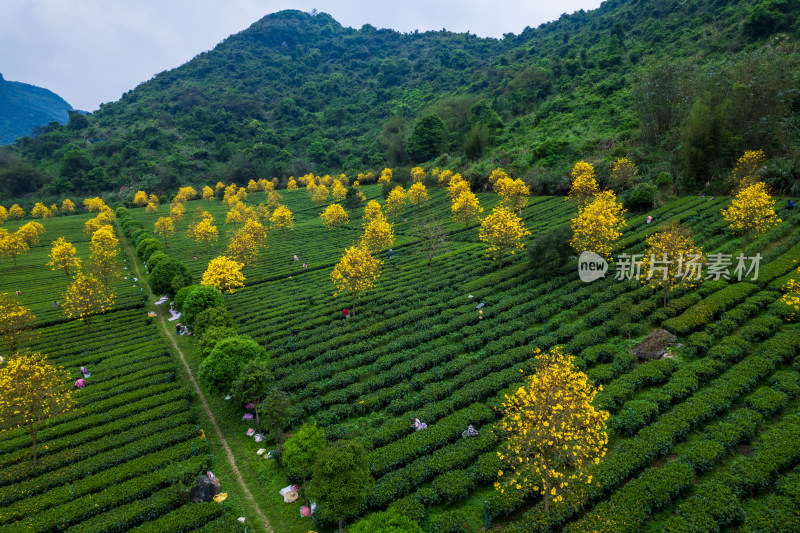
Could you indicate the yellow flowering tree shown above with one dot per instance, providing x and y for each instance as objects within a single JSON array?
[
  {"x": 30, "y": 233},
  {"x": 282, "y": 218},
  {"x": 12, "y": 245},
  {"x": 68, "y": 206},
  {"x": 17, "y": 324},
  {"x": 357, "y": 271},
  {"x": 151, "y": 208},
  {"x": 140, "y": 199},
  {"x": 225, "y": 274},
  {"x": 395, "y": 202},
  {"x": 40, "y": 211},
  {"x": 104, "y": 259},
  {"x": 63, "y": 256},
  {"x": 319, "y": 195},
  {"x": 371, "y": 211},
  {"x": 3, "y": 214},
  {"x": 791, "y": 297},
  {"x": 598, "y": 226},
  {"x": 466, "y": 208},
  {"x": 457, "y": 187},
  {"x": 31, "y": 391},
  {"x": 208, "y": 193},
  {"x": 252, "y": 186},
  {"x": 444, "y": 178},
  {"x": 671, "y": 259},
  {"x": 185, "y": 194},
  {"x": 745, "y": 173},
  {"x": 513, "y": 192},
  {"x": 246, "y": 243},
  {"x": 583, "y": 186},
  {"x": 622, "y": 172},
  {"x": 417, "y": 194},
  {"x": 262, "y": 213},
  {"x": 417, "y": 174},
  {"x": 386, "y": 176},
  {"x": 219, "y": 187},
  {"x": 378, "y": 234},
  {"x": 496, "y": 175},
  {"x": 164, "y": 228},
  {"x": 274, "y": 199},
  {"x": 93, "y": 205},
  {"x": 752, "y": 211},
  {"x": 176, "y": 212},
  {"x": 85, "y": 297},
  {"x": 153, "y": 199},
  {"x": 339, "y": 191},
  {"x": 204, "y": 233},
  {"x": 503, "y": 231},
  {"x": 334, "y": 216},
  {"x": 291, "y": 185},
  {"x": 551, "y": 430},
  {"x": 15, "y": 212}
]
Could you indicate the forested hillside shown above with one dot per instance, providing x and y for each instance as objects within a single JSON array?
[{"x": 678, "y": 87}]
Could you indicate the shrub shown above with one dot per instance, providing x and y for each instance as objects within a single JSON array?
[
  {"x": 410, "y": 508},
  {"x": 450, "y": 522},
  {"x": 147, "y": 247},
  {"x": 452, "y": 487},
  {"x": 227, "y": 360},
  {"x": 155, "y": 259},
  {"x": 390, "y": 521},
  {"x": 169, "y": 277},
  {"x": 213, "y": 335},
  {"x": 182, "y": 294},
  {"x": 641, "y": 196},
  {"x": 702, "y": 454},
  {"x": 218, "y": 317},
  {"x": 201, "y": 298}
]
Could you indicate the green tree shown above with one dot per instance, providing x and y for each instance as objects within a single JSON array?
[
  {"x": 253, "y": 384},
  {"x": 427, "y": 138},
  {"x": 201, "y": 298},
  {"x": 227, "y": 360},
  {"x": 276, "y": 411},
  {"x": 169, "y": 277},
  {"x": 341, "y": 479},
  {"x": 302, "y": 450}
]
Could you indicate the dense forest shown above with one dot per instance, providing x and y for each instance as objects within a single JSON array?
[{"x": 682, "y": 88}]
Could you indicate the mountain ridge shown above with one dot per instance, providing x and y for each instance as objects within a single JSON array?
[
  {"x": 24, "y": 106},
  {"x": 297, "y": 93}
]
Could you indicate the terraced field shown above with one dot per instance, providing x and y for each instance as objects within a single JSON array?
[
  {"x": 117, "y": 462},
  {"x": 703, "y": 440}
]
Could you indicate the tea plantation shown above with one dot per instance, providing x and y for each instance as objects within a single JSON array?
[{"x": 703, "y": 440}]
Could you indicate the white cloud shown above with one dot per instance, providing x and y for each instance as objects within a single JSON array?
[{"x": 92, "y": 51}]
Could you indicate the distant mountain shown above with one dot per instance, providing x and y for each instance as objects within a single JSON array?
[{"x": 24, "y": 107}]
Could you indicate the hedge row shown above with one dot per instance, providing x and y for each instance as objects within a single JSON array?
[
  {"x": 153, "y": 437},
  {"x": 139, "y": 466},
  {"x": 703, "y": 313},
  {"x": 106, "y": 510}
]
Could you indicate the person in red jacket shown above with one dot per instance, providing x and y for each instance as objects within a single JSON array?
[{"x": 345, "y": 313}]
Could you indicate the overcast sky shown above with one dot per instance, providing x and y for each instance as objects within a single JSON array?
[{"x": 91, "y": 51}]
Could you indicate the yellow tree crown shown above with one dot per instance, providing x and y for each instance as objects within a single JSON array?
[
  {"x": 503, "y": 232},
  {"x": 583, "y": 186},
  {"x": 417, "y": 194},
  {"x": 225, "y": 274},
  {"x": 334, "y": 216},
  {"x": 598, "y": 226},
  {"x": 282, "y": 218},
  {"x": 551, "y": 430}
]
